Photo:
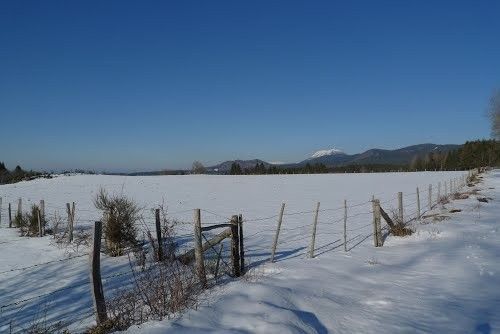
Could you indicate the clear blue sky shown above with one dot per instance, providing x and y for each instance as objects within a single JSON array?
[{"x": 146, "y": 85}]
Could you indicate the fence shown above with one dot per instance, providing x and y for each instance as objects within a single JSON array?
[{"x": 272, "y": 243}]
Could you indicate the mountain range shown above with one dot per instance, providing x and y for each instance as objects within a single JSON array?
[{"x": 335, "y": 158}]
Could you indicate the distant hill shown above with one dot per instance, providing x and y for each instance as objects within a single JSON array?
[
  {"x": 399, "y": 156},
  {"x": 226, "y": 165}
]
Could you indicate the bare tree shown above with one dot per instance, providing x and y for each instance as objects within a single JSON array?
[
  {"x": 198, "y": 168},
  {"x": 494, "y": 114}
]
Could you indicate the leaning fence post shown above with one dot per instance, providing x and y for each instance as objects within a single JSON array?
[
  {"x": 275, "y": 242},
  {"x": 400, "y": 205},
  {"x": 235, "y": 245},
  {"x": 242, "y": 249},
  {"x": 418, "y": 204},
  {"x": 430, "y": 196},
  {"x": 313, "y": 236},
  {"x": 95, "y": 276},
  {"x": 198, "y": 248},
  {"x": 158, "y": 235},
  {"x": 10, "y": 216},
  {"x": 345, "y": 225}
]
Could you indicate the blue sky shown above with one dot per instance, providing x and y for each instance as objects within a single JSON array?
[{"x": 146, "y": 85}]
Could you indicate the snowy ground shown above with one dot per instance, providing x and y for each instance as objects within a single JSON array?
[{"x": 441, "y": 279}]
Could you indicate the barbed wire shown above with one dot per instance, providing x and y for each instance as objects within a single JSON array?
[{"x": 42, "y": 264}]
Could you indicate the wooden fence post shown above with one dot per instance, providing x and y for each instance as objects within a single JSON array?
[
  {"x": 0, "y": 211},
  {"x": 19, "y": 208},
  {"x": 345, "y": 225},
  {"x": 198, "y": 248},
  {"x": 378, "y": 223},
  {"x": 235, "y": 246},
  {"x": 242, "y": 249},
  {"x": 10, "y": 216},
  {"x": 313, "y": 236},
  {"x": 158, "y": 235},
  {"x": 400, "y": 206},
  {"x": 39, "y": 217},
  {"x": 95, "y": 276},
  {"x": 42, "y": 212},
  {"x": 418, "y": 204},
  {"x": 377, "y": 226},
  {"x": 445, "y": 189},
  {"x": 276, "y": 236},
  {"x": 70, "y": 223},
  {"x": 430, "y": 196},
  {"x": 439, "y": 191}
]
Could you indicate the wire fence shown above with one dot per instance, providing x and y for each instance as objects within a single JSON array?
[{"x": 352, "y": 222}]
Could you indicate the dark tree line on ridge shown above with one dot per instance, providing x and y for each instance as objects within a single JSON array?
[
  {"x": 16, "y": 175},
  {"x": 471, "y": 155}
]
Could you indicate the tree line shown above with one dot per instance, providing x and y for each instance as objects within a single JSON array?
[
  {"x": 16, "y": 175},
  {"x": 470, "y": 155}
]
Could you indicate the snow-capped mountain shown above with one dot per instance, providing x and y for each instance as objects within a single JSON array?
[{"x": 322, "y": 153}]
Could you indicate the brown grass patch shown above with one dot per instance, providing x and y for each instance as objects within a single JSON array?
[{"x": 401, "y": 231}]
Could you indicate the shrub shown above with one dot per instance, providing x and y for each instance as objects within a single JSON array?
[
  {"x": 158, "y": 290},
  {"x": 119, "y": 221},
  {"x": 28, "y": 223}
]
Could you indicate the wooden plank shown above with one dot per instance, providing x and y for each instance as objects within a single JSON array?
[
  {"x": 189, "y": 256},
  {"x": 95, "y": 276},
  {"x": 387, "y": 219},
  {"x": 213, "y": 227}
]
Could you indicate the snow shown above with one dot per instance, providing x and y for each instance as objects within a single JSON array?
[
  {"x": 443, "y": 278},
  {"x": 322, "y": 153}
]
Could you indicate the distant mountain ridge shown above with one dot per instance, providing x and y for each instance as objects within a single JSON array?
[
  {"x": 400, "y": 156},
  {"x": 336, "y": 158}
]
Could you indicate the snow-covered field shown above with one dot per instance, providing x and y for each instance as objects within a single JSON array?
[{"x": 444, "y": 278}]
